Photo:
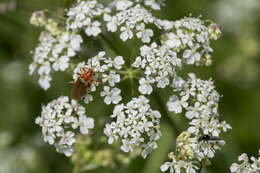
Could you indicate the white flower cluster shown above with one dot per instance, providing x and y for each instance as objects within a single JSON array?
[
  {"x": 136, "y": 125},
  {"x": 154, "y": 4},
  {"x": 198, "y": 97},
  {"x": 159, "y": 64},
  {"x": 177, "y": 166},
  {"x": 60, "y": 120},
  {"x": 191, "y": 152},
  {"x": 130, "y": 21},
  {"x": 84, "y": 16},
  {"x": 199, "y": 100},
  {"x": 190, "y": 38},
  {"x": 124, "y": 4},
  {"x": 54, "y": 51},
  {"x": 183, "y": 158},
  {"x": 105, "y": 68},
  {"x": 186, "y": 41},
  {"x": 38, "y": 19},
  {"x": 245, "y": 166}
]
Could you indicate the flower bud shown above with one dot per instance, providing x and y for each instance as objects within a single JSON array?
[
  {"x": 38, "y": 19},
  {"x": 214, "y": 31},
  {"x": 183, "y": 146},
  {"x": 52, "y": 27},
  {"x": 183, "y": 137}
]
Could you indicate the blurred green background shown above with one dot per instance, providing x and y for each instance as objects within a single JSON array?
[{"x": 235, "y": 69}]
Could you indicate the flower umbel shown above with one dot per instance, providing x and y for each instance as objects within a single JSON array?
[
  {"x": 246, "y": 164},
  {"x": 136, "y": 125},
  {"x": 160, "y": 50},
  {"x": 60, "y": 120}
]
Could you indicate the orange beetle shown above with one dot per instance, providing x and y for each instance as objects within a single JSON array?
[{"x": 85, "y": 80}]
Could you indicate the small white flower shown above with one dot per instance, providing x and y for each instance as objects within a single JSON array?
[
  {"x": 164, "y": 24},
  {"x": 32, "y": 67},
  {"x": 49, "y": 139},
  {"x": 119, "y": 61},
  {"x": 145, "y": 87},
  {"x": 118, "y": 111},
  {"x": 112, "y": 22},
  {"x": 126, "y": 33},
  {"x": 162, "y": 79},
  {"x": 175, "y": 105},
  {"x": 68, "y": 138},
  {"x": 44, "y": 81},
  {"x": 194, "y": 111},
  {"x": 173, "y": 41},
  {"x": 234, "y": 168},
  {"x": 38, "y": 18},
  {"x": 192, "y": 55},
  {"x": 164, "y": 167},
  {"x": 123, "y": 4},
  {"x": 88, "y": 98},
  {"x": 108, "y": 131},
  {"x": 44, "y": 69},
  {"x": 144, "y": 34},
  {"x": 61, "y": 63},
  {"x": 125, "y": 148},
  {"x": 112, "y": 95},
  {"x": 93, "y": 29},
  {"x": 75, "y": 41},
  {"x": 153, "y": 4},
  {"x": 69, "y": 41},
  {"x": 67, "y": 150},
  {"x": 112, "y": 78},
  {"x": 139, "y": 62},
  {"x": 85, "y": 124}
]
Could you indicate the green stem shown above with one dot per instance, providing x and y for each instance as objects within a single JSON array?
[
  {"x": 54, "y": 14},
  {"x": 200, "y": 169},
  {"x": 132, "y": 52},
  {"x": 130, "y": 63},
  {"x": 109, "y": 44},
  {"x": 165, "y": 114},
  {"x": 75, "y": 170},
  {"x": 116, "y": 52},
  {"x": 66, "y": 3},
  {"x": 132, "y": 87},
  {"x": 201, "y": 166},
  {"x": 76, "y": 167}
]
